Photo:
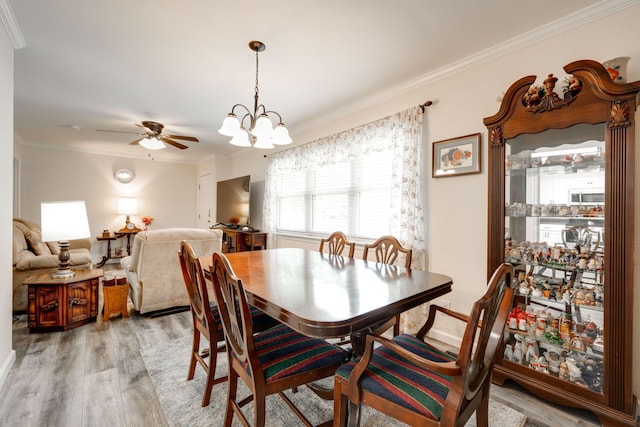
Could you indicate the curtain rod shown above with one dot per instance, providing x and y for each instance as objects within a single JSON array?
[{"x": 425, "y": 105}]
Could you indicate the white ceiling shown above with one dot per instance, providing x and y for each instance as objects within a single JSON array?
[{"x": 111, "y": 64}]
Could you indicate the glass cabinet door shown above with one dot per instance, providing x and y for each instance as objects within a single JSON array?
[
  {"x": 561, "y": 186},
  {"x": 554, "y": 237}
]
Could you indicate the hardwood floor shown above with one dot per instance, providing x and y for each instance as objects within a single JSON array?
[{"x": 94, "y": 375}]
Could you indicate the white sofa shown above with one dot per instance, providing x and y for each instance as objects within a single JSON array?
[{"x": 153, "y": 269}]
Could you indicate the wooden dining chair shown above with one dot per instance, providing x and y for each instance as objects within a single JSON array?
[
  {"x": 387, "y": 249},
  {"x": 421, "y": 385},
  {"x": 336, "y": 243},
  {"x": 581, "y": 236},
  {"x": 269, "y": 362},
  {"x": 206, "y": 320}
]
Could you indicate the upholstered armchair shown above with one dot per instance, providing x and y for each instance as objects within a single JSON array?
[{"x": 153, "y": 269}]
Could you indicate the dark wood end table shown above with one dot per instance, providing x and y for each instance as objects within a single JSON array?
[{"x": 61, "y": 304}]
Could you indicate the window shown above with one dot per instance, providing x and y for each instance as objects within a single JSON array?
[
  {"x": 352, "y": 195},
  {"x": 364, "y": 182}
]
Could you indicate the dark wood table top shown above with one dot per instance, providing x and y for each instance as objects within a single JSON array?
[
  {"x": 329, "y": 296},
  {"x": 46, "y": 279}
]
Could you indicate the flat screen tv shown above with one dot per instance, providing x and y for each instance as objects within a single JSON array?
[{"x": 233, "y": 199}]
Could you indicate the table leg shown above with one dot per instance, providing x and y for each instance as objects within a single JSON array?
[{"x": 107, "y": 257}]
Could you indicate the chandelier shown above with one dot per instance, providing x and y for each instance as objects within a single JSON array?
[{"x": 258, "y": 123}]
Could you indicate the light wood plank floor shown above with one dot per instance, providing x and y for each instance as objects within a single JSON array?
[{"x": 94, "y": 375}]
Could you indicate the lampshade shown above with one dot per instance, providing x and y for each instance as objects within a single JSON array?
[
  {"x": 230, "y": 126},
  {"x": 263, "y": 127},
  {"x": 263, "y": 142},
  {"x": 280, "y": 135},
  {"x": 152, "y": 144},
  {"x": 61, "y": 222},
  {"x": 128, "y": 206},
  {"x": 64, "y": 221},
  {"x": 241, "y": 139}
]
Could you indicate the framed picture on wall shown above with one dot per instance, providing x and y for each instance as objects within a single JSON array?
[{"x": 456, "y": 156}]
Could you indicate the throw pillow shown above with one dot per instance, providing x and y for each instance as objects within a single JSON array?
[
  {"x": 54, "y": 247},
  {"x": 37, "y": 245}
]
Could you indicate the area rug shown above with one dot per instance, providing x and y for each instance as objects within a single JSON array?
[{"x": 167, "y": 364}]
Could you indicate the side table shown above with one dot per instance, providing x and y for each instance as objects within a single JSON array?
[
  {"x": 240, "y": 241},
  {"x": 61, "y": 304},
  {"x": 108, "y": 239},
  {"x": 114, "y": 236}
]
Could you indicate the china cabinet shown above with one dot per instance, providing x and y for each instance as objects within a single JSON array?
[{"x": 561, "y": 200}]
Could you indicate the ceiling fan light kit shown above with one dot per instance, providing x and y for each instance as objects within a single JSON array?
[
  {"x": 259, "y": 123},
  {"x": 153, "y": 138},
  {"x": 152, "y": 143}
]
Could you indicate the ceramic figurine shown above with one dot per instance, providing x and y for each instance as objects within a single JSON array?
[
  {"x": 563, "y": 371},
  {"x": 517, "y": 354},
  {"x": 531, "y": 350},
  {"x": 508, "y": 352},
  {"x": 575, "y": 374},
  {"x": 617, "y": 68},
  {"x": 555, "y": 358}
]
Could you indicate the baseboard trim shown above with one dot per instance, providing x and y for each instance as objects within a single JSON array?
[
  {"x": 167, "y": 311},
  {"x": 445, "y": 337},
  {"x": 6, "y": 367}
]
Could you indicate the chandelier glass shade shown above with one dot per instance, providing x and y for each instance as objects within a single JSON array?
[{"x": 255, "y": 127}]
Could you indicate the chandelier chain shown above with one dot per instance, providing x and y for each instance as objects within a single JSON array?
[{"x": 256, "y": 73}]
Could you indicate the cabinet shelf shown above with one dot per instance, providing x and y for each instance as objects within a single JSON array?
[
  {"x": 598, "y": 218},
  {"x": 570, "y": 168}
]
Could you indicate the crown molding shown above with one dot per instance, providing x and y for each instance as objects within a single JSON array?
[
  {"x": 566, "y": 23},
  {"x": 11, "y": 25}
]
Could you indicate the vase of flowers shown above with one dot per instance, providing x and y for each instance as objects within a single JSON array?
[{"x": 147, "y": 220}]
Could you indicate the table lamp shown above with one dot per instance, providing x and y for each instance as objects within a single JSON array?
[
  {"x": 128, "y": 206},
  {"x": 61, "y": 222}
]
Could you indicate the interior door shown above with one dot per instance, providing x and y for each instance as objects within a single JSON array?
[{"x": 205, "y": 201}]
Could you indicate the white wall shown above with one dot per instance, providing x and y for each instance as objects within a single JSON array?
[
  {"x": 7, "y": 354},
  {"x": 457, "y": 207},
  {"x": 165, "y": 191}
]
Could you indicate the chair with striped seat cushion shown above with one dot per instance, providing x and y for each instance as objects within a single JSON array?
[
  {"x": 271, "y": 361},
  {"x": 419, "y": 384},
  {"x": 398, "y": 380},
  {"x": 207, "y": 322}
]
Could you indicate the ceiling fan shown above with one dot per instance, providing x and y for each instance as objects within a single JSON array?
[{"x": 153, "y": 138}]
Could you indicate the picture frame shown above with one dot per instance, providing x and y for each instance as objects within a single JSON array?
[{"x": 456, "y": 156}]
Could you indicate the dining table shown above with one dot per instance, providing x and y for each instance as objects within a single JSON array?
[{"x": 329, "y": 296}]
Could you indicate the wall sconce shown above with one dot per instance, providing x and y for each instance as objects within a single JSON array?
[
  {"x": 124, "y": 176},
  {"x": 128, "y": 206},
  {"x": 61, "y": 222}
]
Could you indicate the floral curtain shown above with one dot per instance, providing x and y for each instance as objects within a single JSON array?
[{"x": 403, "y": 132}]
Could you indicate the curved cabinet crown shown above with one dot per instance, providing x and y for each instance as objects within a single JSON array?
[{"x": 561, "y": 186}]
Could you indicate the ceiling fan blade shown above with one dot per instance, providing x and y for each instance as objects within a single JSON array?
[
  {"x": 148, "y": 131},
  {"x": 174, "y": 143},
  {"x": 118, "y": 131},
  {"x": 137, "y": 141},
  {"x": 186, "y": 138}
]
